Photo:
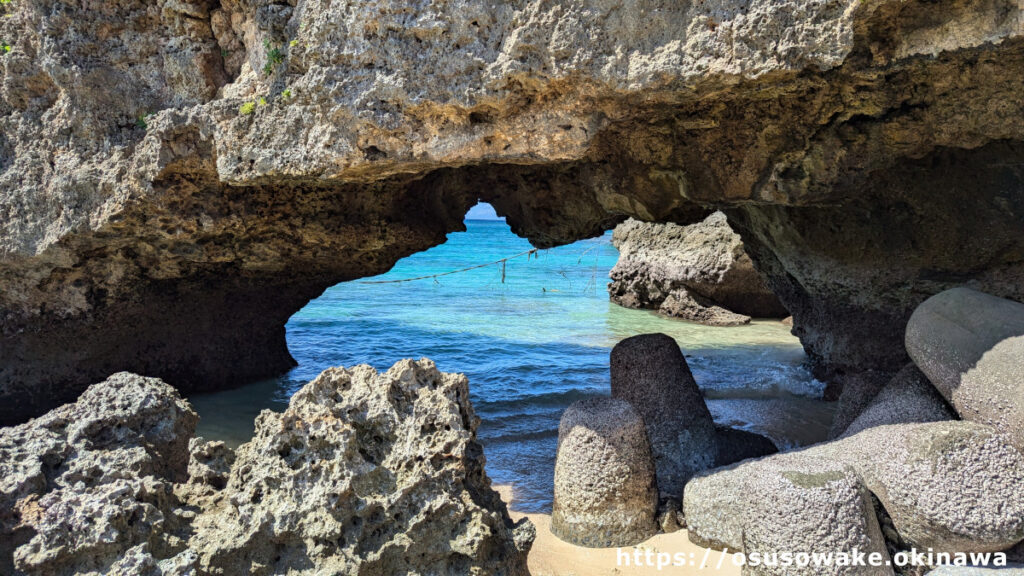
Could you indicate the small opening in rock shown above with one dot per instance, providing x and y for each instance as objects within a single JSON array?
[
  {"x": 532, "y": 330},
  {"x": 373, "y": 153}
]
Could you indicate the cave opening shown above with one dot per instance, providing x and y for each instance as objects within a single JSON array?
[{"x": 533, "y": 334}]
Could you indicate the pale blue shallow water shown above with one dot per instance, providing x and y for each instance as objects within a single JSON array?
[{"x": 530, "y": 346}]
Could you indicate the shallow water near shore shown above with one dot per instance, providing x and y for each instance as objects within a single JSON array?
[{"x": 530, "y": 345}]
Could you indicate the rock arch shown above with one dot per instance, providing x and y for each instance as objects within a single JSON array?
[{"x": 168, "y": 198}]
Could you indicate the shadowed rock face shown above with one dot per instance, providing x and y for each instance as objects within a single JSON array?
[{"x": 869, "y": 154}]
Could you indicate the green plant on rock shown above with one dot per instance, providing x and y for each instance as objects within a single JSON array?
[
  {"x": 4, "y": 47},
  {"x": 275, "y": 57},
  {"x": 247, "y": 108},
  {"x": 141, "y": 123},
  {"x": 286, "y": 94}
]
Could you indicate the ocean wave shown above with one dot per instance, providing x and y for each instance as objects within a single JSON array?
[
  {"x": 522, "y": 437},
  {"x": 548, "y": 399}
]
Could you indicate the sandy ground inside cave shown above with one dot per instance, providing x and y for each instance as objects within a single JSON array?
[{"x": 553, "y": 557}]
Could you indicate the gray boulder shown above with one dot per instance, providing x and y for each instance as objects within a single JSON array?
[
  {"x": 971, "y": 346},
  {"x": 790, "y": 502},
  {"x": 909, "y": 397},
  {"x": 854, "y": 392},
  {"x": 649, "y": 372},
  {"x": 605, "y": 494},
  {"x": 699, "y": 273},
  {"x": 950, "y": 486}
]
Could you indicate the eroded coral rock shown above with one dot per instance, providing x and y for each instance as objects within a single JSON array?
[
  {"x": 209, "y": 463},
  {"x": 699, "y": 273},
  {"x": 162, "y": 162},
  {"x": 365, "y": 473},
  {"x": 87, "y": 482}
]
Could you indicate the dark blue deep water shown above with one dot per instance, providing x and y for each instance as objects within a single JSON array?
[{"x": 530, "y": 345}]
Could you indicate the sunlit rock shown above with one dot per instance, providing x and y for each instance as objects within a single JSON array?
[{"x": 605, "y": 489}]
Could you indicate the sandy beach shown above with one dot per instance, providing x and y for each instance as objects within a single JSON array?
[{"x": 553, "y": 557}]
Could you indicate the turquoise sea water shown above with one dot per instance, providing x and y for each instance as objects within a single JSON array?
[{"x": 530, "y": 345}]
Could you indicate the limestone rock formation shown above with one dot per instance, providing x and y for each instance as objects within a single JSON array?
[
  {"x": 950, "y": 486},
  {"x": 971, "y": 346},
  {"x": 364, "y": 473},
  {"x": 87, "y": 483},
  {"x": 687, "y": 305},
  {"x": 908, "y": 397},
  {"x": 605, "y": 488},
  {"x": 177, "y": 178},
  {"x": 209, "y": 463},
  {"x": 650, "y": 372},
  {"x": 698, "y": 272}
]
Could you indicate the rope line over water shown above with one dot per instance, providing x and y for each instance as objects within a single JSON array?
[{"x": 449, "y": 273}]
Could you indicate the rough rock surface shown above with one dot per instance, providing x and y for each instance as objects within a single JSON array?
[
  {"x": 364, "y": 473},
  {"x": 856, "y": 391},
  {"x": 950, "y": 486},
  {"x": 971, "y": 346},
  {"x": 735, "y": 445},
  {"x": 178, "y": 177},
  {"x": 909, "y": 397},
  {"x": 793, "y": 502},
  {"x": 684, "y": 304},
  {"x": 87, "y": 482},
  {"x": 605, "y": 489},
  {"x": 698, "y": 272},
  {"x": 209, "y": 463},
  {"x": 650, "y": 372}
]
